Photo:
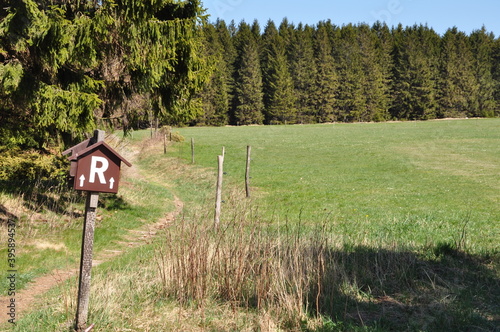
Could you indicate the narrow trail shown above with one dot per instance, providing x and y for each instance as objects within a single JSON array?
[
  {"x": 136, "y": 237},
  {"x": 26, "y": 298}
]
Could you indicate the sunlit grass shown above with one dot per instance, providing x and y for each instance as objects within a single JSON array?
[
  {"x": 333, "y": 274},
  {"x": 408, "y": 182}
]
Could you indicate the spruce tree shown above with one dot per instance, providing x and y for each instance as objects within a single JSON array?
[
  {"x": 415, "y": 73},
  {"x": 215, "y": 95},
  {"x": 269, "y": 38},
  {"x": 326, "y": 80},
  {"x": 351, "y": 99},
  {"x": 303, "y": 71},
  {"x": 248, "y": 105},
  {"x": 496, "y": 73},
  {"x": 457, "y": 85},
  {"x": 482, "y": 44},
  {"x": 279, "y": 96},
  {"x": 67, "y": 66}
]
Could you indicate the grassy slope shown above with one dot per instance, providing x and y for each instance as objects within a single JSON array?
[
  {"x": 404, "y": 290},
  {"x": 411, "y": 183}
]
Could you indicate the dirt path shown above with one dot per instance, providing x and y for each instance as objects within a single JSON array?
[{"x": 26, "y": 298}]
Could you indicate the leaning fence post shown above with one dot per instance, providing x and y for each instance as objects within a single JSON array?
[
  {"x": 218, "y": 192},
  {"x": 247, "y": 171}
]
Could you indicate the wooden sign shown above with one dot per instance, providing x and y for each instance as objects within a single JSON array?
[{"x": 97, "y": 168}]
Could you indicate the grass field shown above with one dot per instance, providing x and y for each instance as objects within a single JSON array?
[
  {"x": 413, "y": 183},
  {"x": 382, "y": 227}
]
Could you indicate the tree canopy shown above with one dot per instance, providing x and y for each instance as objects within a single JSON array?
[{"x": 67, "y": 66}]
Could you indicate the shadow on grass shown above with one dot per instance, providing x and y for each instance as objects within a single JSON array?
[
  {"x": 6, "y": 216},
  {"x": 53, "y": 196},
  {"x": 385, "y": 290},
  {"x": 41, "y": 195},
  {"x": 112, "y": 202}
]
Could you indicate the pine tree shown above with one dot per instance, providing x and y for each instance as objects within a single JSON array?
[
  {"x": 269, "y": 38},
  {"x": 496, "y": 73},
  {"x": 351, "y": 99},
  {"x": 482, "y": 48},
  {"x": 68, "y": 65},
  {"x": 248, "y": 105},
  {"x": 303, "y": 71},
  {"x": 279, "y": 97},
  {"x": 215, "y": 95},
  {"x": 415, "y": 73},
  {"x": 326, "y": 80},
  {"x": 458, "y": 86}
]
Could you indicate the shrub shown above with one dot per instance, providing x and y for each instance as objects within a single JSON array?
[{"x": 18, "y": 165}]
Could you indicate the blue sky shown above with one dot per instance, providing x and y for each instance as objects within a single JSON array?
[{"x": 466, "y": 15}]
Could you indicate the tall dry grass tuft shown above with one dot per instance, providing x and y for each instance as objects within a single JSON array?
[
  {"x": 245, "y": 263},
  {"x": 295, "y": 274}
]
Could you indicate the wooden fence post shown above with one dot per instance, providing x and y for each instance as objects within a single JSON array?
[
  {"x": 192, "y": 150},
  {"x": 247, "y": 171},
  {"x": 82, "y": 309},
  {"x": 218, "y": 192}
]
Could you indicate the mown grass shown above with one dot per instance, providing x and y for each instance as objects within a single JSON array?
[{"x": 413, "y": 183}]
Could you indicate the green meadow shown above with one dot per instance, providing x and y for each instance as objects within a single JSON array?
[
  {"x": 405, "y": 183},
  {"x": 350, "y": 227}
]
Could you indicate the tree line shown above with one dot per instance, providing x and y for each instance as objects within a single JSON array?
[
  {"x": 322, "y": 73},
  {"x": 67, "y": 67}
]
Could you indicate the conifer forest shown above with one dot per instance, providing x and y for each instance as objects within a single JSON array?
[
  {"x": 69, "y": 66},
  {"x": 322, "y": 73}
]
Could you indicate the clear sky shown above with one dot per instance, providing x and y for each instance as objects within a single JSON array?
[{"x": 466, "y": 15}]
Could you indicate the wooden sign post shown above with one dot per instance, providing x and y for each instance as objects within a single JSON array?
[
  {"x": 82, "y": 308},
  {"x": 95, "y": 167}
]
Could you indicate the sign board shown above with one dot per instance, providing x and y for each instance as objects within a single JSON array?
[
  {"x": 74, "y": 150},
  {"x": 97, "y": 168}
]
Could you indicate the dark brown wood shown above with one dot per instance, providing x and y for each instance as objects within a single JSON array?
[{"x": 98, "y": 169}]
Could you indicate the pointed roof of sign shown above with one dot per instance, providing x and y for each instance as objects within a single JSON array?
[
  {"x": 77, "y": 148},
  {"x": 91, "y": 148}
]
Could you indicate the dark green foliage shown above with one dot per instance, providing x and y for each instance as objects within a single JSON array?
[
  {"x": 66, "y": 67},
  {"x": 326, "y": 78},
  {"x": 247, "y": 101},
  {"x": 327, "y": 73},
  {"x": 415, "y": 73},
  {"x": 482, "y": 46},
  {"x": 364, "y": 72},
  {"x": 458, "y": 87},
  {"x": 279, "y": 98},
  {"x": 303, "y": 71},
  {"x": 215, "y": 95}
]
